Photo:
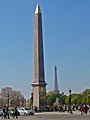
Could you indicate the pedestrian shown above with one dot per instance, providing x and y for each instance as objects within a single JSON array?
[
  {"x": 15, "y": 112},
  {"x": 4, "y": 112},
  {"x": 81, "y": 110},
  {"x": 86, "y": 108},
  {"x": 7, "y": 112}
]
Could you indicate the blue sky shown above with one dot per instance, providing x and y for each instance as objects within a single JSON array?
[{"x": 66, "y": 35}]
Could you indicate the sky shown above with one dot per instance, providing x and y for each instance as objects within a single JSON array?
[{"x": 66, "y": 38}]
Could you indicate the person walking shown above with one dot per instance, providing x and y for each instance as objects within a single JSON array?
[
  {"x": 81, "y": 110},
  {"x": 4, "y": 112},
  {"x": 7, "y": 112},
  {"x": 86, "y": 108},
  {"x": 15, "y": 112}
]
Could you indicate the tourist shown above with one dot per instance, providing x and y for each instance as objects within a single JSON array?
[
  {"x": 81, "y": 110},
  {"x": 86, "y": 108},
  {"x": 4, "y": 113},
  {"x": 15, "y": 112}
]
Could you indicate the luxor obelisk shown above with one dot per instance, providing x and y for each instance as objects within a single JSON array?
[{"x": 39, "y": 84}]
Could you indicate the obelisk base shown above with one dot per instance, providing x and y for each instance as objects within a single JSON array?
[{"x": 39, "y": 96}]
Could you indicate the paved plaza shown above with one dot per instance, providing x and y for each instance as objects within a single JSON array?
[{"x": 53, "y": 116}]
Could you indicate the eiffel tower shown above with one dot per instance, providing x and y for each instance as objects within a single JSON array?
[{"x": 56, "y": 89}]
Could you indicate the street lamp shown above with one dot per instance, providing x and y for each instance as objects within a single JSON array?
[
  {"x": 89, "y": 99},
  {"x": 70, "y": 100},
  {"x": 8, "y": 99},
  {"x": 70, "y": 97},
  {"x": 28, "y": 102},
  {"x": 85, "y": 99},
  {"x": 31, "y": 100},
  {"x": 63, "y": 99}
]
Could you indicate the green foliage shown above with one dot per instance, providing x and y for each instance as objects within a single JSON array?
[
  {"x": 66, "y": 100},
  {"x": 75, "y": 98},
  {"x": 51, "y": 99},
  {"x": 86, "y": 92},
  {"x": 85, "y": 95},
  {"x": 78, "y": 98}
]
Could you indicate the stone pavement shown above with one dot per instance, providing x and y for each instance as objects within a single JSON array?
[{"x": 53, "y": 116}]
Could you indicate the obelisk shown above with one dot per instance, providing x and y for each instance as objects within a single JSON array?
[
  {"x": 56, "y": 89},
  {"x": 39, "y": 84}
]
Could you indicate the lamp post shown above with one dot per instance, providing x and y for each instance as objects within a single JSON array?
[
  {"x": 70, "y": 100},
  {"x": 89, "y": 99},
  {"x": 31, "y": 101},
  {"x": 28, "y": 103},
  {"x": 8, "y": 99},
  {"x": 85, "y": 99},
  {"x": 70, "y": 97},
  {"x": 63, "y": 99},
  {"x": 85, "y": 105}
]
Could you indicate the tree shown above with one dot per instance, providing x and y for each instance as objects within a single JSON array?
[
  {"x": 67, "y": 100},
  {"x": 12, "y": 96},
  {"x": 85, "y": 96},
  {"x": 76, "y": 99},
  {"x": 51, "y": 99}
]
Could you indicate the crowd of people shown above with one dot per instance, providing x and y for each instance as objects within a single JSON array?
[
  {"x": 6, "y": 112},
  {"x": 62, "y": 108},
  {"x": 84, "y": 109}
]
